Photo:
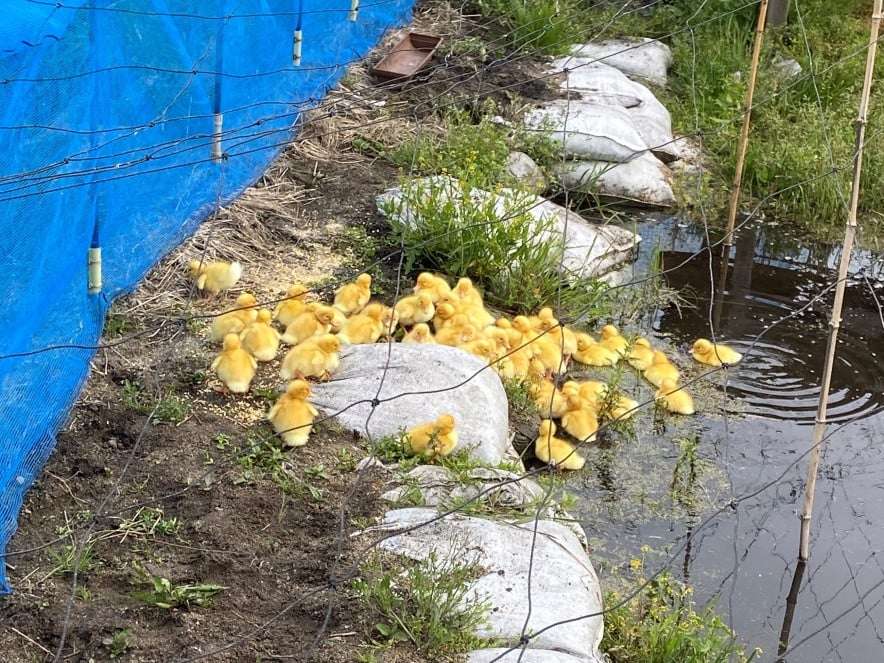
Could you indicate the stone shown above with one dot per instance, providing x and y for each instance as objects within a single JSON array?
[
  {"x": 587, "y": 130},
  {"x": 647, "y": 59},
  {"x": 523, "y": 168},
  {"x": 644, "y": 180},
  {"x": 518, "y": 655},
  {"x": 564, "y": 585},
  {"x": 415, "y": 383}
]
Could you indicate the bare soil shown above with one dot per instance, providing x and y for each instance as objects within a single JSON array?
[{"x": 283, "y": 556}]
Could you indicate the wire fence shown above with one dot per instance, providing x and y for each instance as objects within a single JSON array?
[{"x": 747, "y": 522}]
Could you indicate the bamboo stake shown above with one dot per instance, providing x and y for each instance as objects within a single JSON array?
[
  {"x": 718, "y": 296},
  {"x": 849, "y": 236},
  {"x": 744, "y": 135}
]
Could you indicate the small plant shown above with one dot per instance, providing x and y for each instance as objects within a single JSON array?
[
  {"x": 346, "y": 461},
  {"x": 427, "y": 603},
  {"x": 170, "y": 409},
  {"x": 316, "y": 472},
  {"x": 661, "y": 625},
  {"x": 222, "y": 441},
  {"x": 134, "y": 398},
  {"x": 547, "y": 27},
  {"x": 72, "y": 558},
  {"x": 686, "y": 474},
  {"x": 118, "y": 643},
  {"x": 118, "y": 324},
  {"x": 149, "y": 520},
  {"x": 519, "y": 398},
  {"x": 168, "y": 595}
]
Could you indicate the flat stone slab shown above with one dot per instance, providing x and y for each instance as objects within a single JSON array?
[
  {"x": 564, "y": 585},
  {"x": 414, "y": 384}
]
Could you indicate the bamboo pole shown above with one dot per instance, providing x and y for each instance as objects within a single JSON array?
[
  {"x": 849, "y": 236},
  {"x": 744, "y": 134},
  {"x": 718, "y": 296}
]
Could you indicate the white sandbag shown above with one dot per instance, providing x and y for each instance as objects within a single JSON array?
[
  {"x": 647, "y": 59},
  {"x": 645, "y": 180},
  {"x": 588, "y": 131},
  {"x": 595, "y": 82},
  {"x": 654, "y": 124}
]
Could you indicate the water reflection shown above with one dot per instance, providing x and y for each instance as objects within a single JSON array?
[{"x": 774, "y": 306}]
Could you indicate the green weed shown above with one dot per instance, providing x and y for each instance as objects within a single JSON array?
[
  {"x": 170, "y": 409},
  {"x": 546, "y": 27},
  {"x": 661, "y": 625},
  {"x": 168, "y": 595},
  {"x": 427, "y": 603},
  {"x": 118, "y": 643},
  {"x": 70, "y": 558},
  {"x": 149, "y": 521}
]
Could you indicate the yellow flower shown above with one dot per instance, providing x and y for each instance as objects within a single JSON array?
[{"x": 635, "y": 564}]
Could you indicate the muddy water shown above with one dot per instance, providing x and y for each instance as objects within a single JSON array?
[{"x": 667, "y": 492}]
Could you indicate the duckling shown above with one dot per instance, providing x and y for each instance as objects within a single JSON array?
[
  {"x": 365, "y": 327},
  {"x": 433, "y": 439},
  {"x": 620, "y": 408},
  {"x": 590, "y": 353},
  {"x": 214, "y": 277},
  {"x": 676, "y": 399},
  {"x": 435, "y": 286},
  {"x": 260, "y": 339},
  {"x": 456, "y": 334},
  {"x": 660, "y": 369},
  {"x": 480, "y": 347},
  {"x": 499, "y": 338},
  {"x": 563, "y": 338},
  {"x": 294, "y": 303},
  {"x": 553, "y": 450},
  {"x": 350, "y": 298},
  {"x": 540, "y": 322},
  {"x": 589, "y": 390},
  {"x": 714, "y": 354},
  {"x": 549, "y": 355},
  {"x": 414, "y": 309},
  {"x": 233, "y": 322},
  {"x": 444, "y": 316},
  {"x": 420, "y": 333},
  {"x": 292, "y": 415},
  {"x": 641, "y": 354},
  {"x": 467, "y": 293},
  {"x": 579, "y": 420},
  {"x": 548, "y": 399},
  {"x": 315, "y": 320},
  {"x": 235, "y": 367},
  {"x": 315, "y": 357},
  {"x": 523, "y": 325},
  {"x": 613, "y": 340}
]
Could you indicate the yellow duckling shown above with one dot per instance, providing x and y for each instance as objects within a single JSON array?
[
  {"x": 619, "y": 408},
  {"x": 499, "y": 338},
  {"x": 415, "y": 309},
  {"x": 433, "y": 439},
  {"x": 548, "y": 399},
  {"x": 641, "y": 354},
  {"x": 714, "y": 354},
  {"x": 579, "y": 420},
  {"x": 350, "y": 298},
  {"x": 436, "y": 286},
  {"x": 549, "y": 355},
  {"x": 482, "y": 348},
  {"x": 260, "y": 339},
  {"x": 555, "y": 451},
  {"x": 591, "y": 391},
  {"x": 315, "y": 320},
  {"x": 235, "y": 367},
  {"x": 365, "y": 327},
  {"x": 213, "y": 277},
  {"x": 523, "y": 325},
  {"x": 613, "y": 340},
  {"x": 590, "y": 353},
  {"x": 676, "y": 399},
  {"x": 233, "y": 322},
  {"x": 293, "y": 305},
  {"x": 467, "y": 293},
  {"x": 315, "y": 357},
  {"x": 292, "y": 415},
  {"x": 445, "y": 315},
  {"x": 660, "y": 369},
  {"x": 458, "y": 333},
  {"x": 420, "y": 333}
]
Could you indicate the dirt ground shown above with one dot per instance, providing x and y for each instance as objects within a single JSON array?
[{"x": 272, "y": 528}]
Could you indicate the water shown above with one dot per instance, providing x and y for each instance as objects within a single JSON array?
[{"x": 751, "y": 438}]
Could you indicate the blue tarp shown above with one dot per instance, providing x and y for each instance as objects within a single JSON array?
[{"x": 106, "y": 122}]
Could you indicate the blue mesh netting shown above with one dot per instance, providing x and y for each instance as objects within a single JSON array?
[{"x": 106, "y": 116}]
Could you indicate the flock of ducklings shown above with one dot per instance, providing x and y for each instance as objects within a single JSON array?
[{"x": 527, "y": 348}]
